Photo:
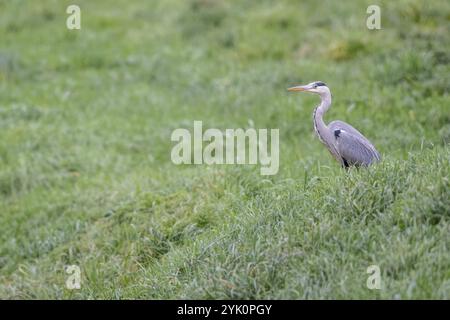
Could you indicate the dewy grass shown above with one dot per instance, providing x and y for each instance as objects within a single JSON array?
[{"x": 86, "y": 177}]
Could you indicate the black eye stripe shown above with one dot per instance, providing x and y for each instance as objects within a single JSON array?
[{"x": 319, "y": 83}]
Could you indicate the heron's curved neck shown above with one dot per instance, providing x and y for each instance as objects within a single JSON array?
[{"x": 319, "y": 125}]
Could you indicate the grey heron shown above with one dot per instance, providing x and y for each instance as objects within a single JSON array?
[{"x": 344, "y": 142}]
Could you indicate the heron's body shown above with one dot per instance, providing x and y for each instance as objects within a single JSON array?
[{"x": 347, "y": 145}]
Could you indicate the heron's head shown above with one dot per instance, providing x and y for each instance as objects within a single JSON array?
[{"x": 315, "y": 87}]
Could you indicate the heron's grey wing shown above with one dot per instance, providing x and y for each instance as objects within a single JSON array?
[
  {"x": 355, "y": 149},
  {"x": 341, "y": 125}
]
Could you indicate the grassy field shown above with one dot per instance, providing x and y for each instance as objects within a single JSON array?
[{"x": 86, "y": 177}]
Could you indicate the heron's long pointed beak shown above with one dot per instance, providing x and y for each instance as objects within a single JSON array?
[{"x": 298, "y": 88}]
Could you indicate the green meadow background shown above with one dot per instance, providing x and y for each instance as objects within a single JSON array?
[{"x": 86, "y": 177}]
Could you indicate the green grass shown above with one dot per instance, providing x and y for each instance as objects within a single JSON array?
[{"x": 85, "y": 170}]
